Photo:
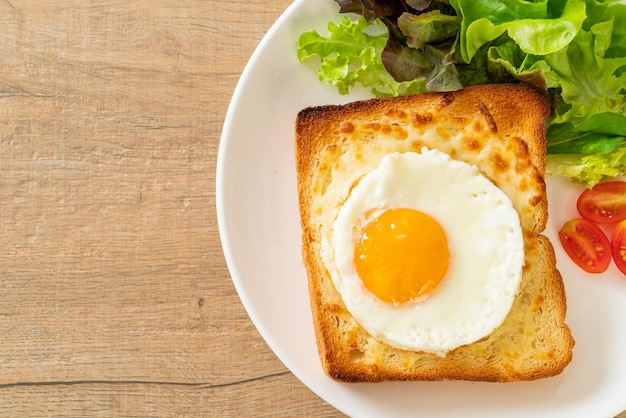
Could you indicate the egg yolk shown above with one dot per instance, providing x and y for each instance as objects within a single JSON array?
[{"x": 401, "y": 255}]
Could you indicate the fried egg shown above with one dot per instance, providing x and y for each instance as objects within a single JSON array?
[{"x": 426, "y": 252}]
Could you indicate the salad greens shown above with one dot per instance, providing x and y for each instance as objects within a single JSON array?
[
  {"x": 573, "y": 49},
  {"x": 349, "y": 56}
]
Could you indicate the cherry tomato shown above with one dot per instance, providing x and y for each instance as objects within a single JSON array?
[
  {"x": 586, "y": 245},
  {"x": 618, "y": 244},
  {"x": 604, "y": 203}
]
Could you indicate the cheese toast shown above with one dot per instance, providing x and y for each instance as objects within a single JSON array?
[{"x": 500, "y": 130}]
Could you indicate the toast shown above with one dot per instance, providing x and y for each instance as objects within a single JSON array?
[{"x": 500, "y": 130}]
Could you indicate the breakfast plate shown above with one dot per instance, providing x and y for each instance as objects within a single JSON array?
[{"x": 259, "y": 226}]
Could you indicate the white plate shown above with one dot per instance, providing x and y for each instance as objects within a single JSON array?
[{"x": 260, "y": 231}]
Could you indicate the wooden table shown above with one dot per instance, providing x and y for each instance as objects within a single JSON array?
[
  {"x": 114, "y": 293},
  {"x": 115, "y": 298}
]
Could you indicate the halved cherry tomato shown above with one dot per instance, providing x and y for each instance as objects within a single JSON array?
[
  {"x": 586, "y": 245},
  {"x": 618, "y": 244},
  {"x": 604, "y": 203}
]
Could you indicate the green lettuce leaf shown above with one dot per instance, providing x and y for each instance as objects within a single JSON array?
[
  {"x": 349, "y": 55},
  {"x": 509, "y": 58},
  {"x": 529, "y": 24},
  {"x": 588, "y": 169},
  {"x": 585, "y": 143},
  {"x": 428, "y": 28},
  {"x": 605, "y": 123},
  {"x": 616, "y": 13},
  {"x": 589, "y": 83}
]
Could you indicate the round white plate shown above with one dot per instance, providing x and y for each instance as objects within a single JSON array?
[{"x": 259, "y": 226}]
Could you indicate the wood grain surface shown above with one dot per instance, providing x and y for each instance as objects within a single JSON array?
[{"x": 115, "y": 299}]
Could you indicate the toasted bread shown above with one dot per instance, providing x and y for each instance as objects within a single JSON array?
[{"x": 500, "y": 130}]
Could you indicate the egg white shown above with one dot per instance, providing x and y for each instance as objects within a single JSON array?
[{"x": 485, "y": 243}]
